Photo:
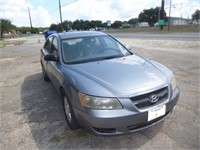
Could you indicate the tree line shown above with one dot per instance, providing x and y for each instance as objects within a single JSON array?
[
  {"x": 147, "y": 15},
  {"x": 87, "y": 24}
]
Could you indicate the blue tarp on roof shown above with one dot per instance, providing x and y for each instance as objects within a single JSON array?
[{"x": 47, "y": 33}]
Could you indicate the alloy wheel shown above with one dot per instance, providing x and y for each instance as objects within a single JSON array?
[{"x": 67, "y": 110}]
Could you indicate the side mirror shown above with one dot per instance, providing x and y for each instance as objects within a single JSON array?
[{"x": 50, "y": 57}]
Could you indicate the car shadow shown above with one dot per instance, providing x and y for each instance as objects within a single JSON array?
[{"x": 43, "y": 107}]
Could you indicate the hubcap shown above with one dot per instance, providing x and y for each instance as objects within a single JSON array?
[{"x": 67, "y": 110}]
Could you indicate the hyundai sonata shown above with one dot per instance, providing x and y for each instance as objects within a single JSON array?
[{"x": 106, "y": 88}]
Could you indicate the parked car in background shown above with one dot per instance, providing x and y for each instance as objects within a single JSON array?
[
  {"x": 144, "y": 24},
  {"x": 107, "y": 89},
  {"x": 156, "y": 24}
]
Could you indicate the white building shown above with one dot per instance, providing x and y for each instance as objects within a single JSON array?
[{"x": 179, "y": 21}]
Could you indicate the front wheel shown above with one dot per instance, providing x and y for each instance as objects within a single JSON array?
[{"x": 69, "y": 114}]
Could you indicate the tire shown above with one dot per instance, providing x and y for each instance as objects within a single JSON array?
[
  {"x": 45, "y": 77},
  {"x": 69, "y": 114}
]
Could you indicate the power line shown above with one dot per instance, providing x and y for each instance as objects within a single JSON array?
[
  {"x": 54, "y": 10},
  {"x": 69, "y": 3}
]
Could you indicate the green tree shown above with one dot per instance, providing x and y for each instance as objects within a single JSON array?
[
  {"x": 196, "y": 15},
  {"x": 86, "y": 25},
  {"x": 76, "y": 25},
  {"x": 59, "y": 27},
  {"x": 66, "y": 25},
  {"x": 150, "y": 15},
  {"x": 53, "y": 27},
  {"x": 104, "y": 25},
  {"x": 117, "y": 24},
  {"x": 6, "y": 26},
  {"x": 35, "y": 30},
  {"x": 24, "y": 30},
  {"x": 133, "y": 21},
  {"x": 96, "y": 23}
]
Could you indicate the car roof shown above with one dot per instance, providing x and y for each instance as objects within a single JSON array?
[{"x": 75, "y": 34}]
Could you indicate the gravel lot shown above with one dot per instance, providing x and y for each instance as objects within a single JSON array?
[{"x": 31, "y": 111}]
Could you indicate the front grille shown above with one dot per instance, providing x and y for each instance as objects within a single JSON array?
[{"x": 143, "y": 101}]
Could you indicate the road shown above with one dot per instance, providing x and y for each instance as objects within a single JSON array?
[
  {"x": 31, "y": 110},
  {"x": 183, "y": 36}
]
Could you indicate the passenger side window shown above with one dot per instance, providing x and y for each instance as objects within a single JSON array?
[{"x": 47, "y": 45}]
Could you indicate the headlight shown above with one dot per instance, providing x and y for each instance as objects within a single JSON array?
[
  {"x": 99, "y": 102},
  {"x": 173, "y": 83}
]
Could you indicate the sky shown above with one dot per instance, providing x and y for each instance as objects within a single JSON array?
[{"x": 45, "y": 12}]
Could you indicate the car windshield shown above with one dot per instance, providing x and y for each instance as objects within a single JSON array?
[{"x": 92, "y": 48}]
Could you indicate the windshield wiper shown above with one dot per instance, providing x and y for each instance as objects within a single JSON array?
[
  {"x": 94, "y": 59},
  {"x": 78, "y": 62},
  {"x": 110, "y": 57}
]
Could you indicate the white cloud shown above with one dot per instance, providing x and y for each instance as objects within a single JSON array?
[
  {"x": 40, "y": 17},
  {"x": 17, "y": 12},
  {"x": 105, "y": 9}
]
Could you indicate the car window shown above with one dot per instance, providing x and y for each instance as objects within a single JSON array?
[
  {"x": 54, "y": 47},
  {"x": 110, "y": 42},
  {"x": 47, "y": 45},
  {"x": 91, "y": 48}
]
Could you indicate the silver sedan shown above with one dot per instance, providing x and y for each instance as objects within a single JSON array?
[{"x": 107, "y": 89}]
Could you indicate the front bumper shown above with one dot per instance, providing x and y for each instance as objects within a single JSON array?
[{"x": 122, "y": 121}]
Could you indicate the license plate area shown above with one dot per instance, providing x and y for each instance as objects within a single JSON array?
[{"x": 156, "y": 112}]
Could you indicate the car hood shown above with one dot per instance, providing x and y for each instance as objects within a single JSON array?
[{"x": 119, "y": 77}]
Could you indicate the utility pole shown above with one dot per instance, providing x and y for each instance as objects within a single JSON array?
[
  {"x": 30, "y": 19},
  {"x": 181, "y": 10},
  {"x": 60, "y": 12},
  {"x": 162, "y": 12},
  {"x": 158, "y": 13},
  {"x": 170, "y": 5}
]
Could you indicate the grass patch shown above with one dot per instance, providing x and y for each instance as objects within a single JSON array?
[
  {"x": 81, "y": 133},
  {"x": 180, "y": 28},
  {"x": 68, "y": 133},
  {"x": 57, "y": 138},
  {"x": 2, "y": 44}
]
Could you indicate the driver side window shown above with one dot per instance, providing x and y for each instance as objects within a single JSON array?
[
  {"x": 54, "y": 47},
  {"x": 47, "y": 45}
]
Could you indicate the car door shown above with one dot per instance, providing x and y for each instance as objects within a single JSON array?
[{"x": 53, "y": 67}]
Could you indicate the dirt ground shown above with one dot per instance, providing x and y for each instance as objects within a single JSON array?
[{"x": 31, "y": 115}]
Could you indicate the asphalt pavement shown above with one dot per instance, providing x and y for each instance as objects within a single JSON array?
[{"x": 182, "y": 36}]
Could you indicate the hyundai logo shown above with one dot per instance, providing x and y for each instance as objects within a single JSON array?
[{"x": 153, "y": 98}]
